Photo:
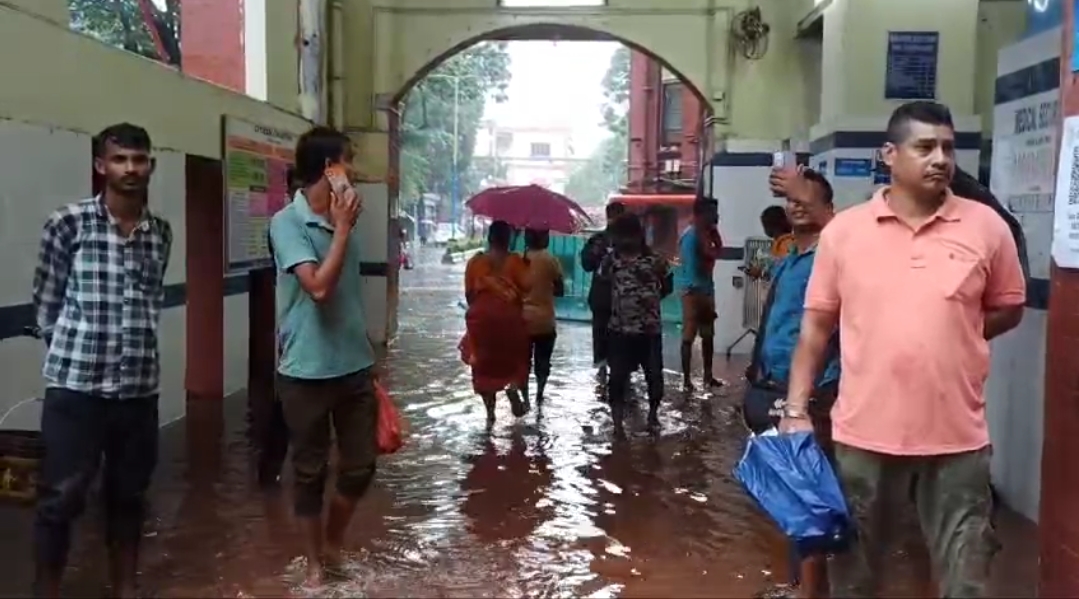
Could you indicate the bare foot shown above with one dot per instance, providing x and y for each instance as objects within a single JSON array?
[
  {"x": 313, "y": 579},
  {"x": 520, "y": 407},
  {"x": 333, "y": 561}
]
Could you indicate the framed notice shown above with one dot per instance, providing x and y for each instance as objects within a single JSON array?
[
  {"x": 911, "y": 71},
  {"x": 256, "y": 159}
]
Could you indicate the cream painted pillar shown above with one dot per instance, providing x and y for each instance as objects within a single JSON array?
[
  {"x": 282, "y": 54},
  {"x": 853, "y": 106},
  {"x": 53, "y": 10}
]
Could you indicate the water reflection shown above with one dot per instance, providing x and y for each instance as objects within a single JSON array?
[{"x": 547, "y": 506}]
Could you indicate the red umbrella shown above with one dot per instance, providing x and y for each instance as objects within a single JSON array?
[{"x": 529, "y": 206}]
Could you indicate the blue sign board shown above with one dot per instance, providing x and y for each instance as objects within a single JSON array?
[
  {"x": 853, "y": 167},
  {"x": 911, "y": 72},
  {"x": 1043, "y": 15},
  {"x": 822, "y": 167},
  {"x": 882, "y": 175}
]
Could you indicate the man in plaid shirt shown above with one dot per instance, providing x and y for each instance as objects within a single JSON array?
[{"x": 98, "y": 293}]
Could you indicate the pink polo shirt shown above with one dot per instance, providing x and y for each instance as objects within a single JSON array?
[{"x": 911, "y": 319}]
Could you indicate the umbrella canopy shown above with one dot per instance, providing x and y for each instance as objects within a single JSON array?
[{"x": 529, "y": 206}]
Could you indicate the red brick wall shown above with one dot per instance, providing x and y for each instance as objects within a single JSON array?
[
  {"x": 212, "y": 41},
  {"x": 1058, "y": 526}
]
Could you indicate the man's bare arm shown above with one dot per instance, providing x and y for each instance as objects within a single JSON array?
[
  {"x": 817, "y": 329},
  {"x": 319, "y": 279},
  {"x": 1001, "y": 320}
]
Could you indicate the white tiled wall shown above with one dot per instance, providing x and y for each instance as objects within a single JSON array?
[{"x": 41, "y": 169}]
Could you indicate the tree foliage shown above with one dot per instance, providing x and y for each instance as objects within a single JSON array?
[
  {"x": 604, "y": 172},
  {"x": 427, "y": 122},
  {"x": 121, "y": 24}
]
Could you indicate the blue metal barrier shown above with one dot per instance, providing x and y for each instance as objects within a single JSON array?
[{"x": 573, "y": 306}]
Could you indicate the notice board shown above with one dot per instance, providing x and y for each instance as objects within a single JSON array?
[
  {"x": 911, "y": 72},
  {"x": 256, "y": 159}
]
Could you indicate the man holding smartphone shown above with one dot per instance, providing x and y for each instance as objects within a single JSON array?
[{"x": 326, "y": 368}]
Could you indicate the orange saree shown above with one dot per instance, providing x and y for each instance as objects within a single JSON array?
[{"x": 496, "y": 344}]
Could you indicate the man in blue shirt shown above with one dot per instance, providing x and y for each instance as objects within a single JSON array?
[
  {"x": 326, "y": 365},
  {"x": 809, "y": 208},
  {"x": 698, "y": 250}
]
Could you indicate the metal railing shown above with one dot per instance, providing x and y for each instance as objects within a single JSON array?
[{"x": 755, "y": 290}]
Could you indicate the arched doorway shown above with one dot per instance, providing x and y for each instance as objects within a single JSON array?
[{"x": 533, "y": 32}]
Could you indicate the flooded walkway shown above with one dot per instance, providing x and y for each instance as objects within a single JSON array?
[{"x": 542, "y": 507}]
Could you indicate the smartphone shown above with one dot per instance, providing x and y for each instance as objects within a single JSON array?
[
  {"x": 338, "y": 178},
  {"x": 780, "y": 161}
]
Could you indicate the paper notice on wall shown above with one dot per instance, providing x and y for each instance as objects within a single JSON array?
[{"x": 1066, "y": 207}]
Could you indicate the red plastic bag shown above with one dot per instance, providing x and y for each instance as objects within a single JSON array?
[{"x": 390, "y": 424}]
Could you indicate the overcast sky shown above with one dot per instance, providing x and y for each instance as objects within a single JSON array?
[{"x": 557, "y": 84}]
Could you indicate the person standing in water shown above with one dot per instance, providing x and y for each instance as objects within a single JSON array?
[
  {"x": 327, "y": 369},
  {"x": 546, "y": 283},
  {"x": 917, "y": 281},
  {"x": 698, "y": 249},
  {"x": 497, "y": 340},
  {"x": 640, "y": 279},
  {"x": 98, "y": 295},
  {"x": 594, "y": 251}
]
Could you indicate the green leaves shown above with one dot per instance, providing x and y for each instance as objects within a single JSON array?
[
  {"x": 461, "y": 86},
  {"x": 121, "y": 24}
]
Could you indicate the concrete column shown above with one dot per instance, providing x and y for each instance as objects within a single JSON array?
[
  {"x": 282, "y": 54},
  {"x": 1058, "y": 527},
  {"x": 854, "y": 62}
]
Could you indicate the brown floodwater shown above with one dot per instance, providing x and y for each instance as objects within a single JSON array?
[{"x": 545, "y": 506}]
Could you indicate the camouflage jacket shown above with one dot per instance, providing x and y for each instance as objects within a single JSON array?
[{"x": 638, "y": 284}]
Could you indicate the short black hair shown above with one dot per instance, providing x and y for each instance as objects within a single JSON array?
[
  {"x": 537, "y": 239},
  {"x": 703, "y": 205},
  {"x": 499, "y": 235},
  {"x": 124, "y": 135},
  {"x": 627, "y": 226},
  {"x": 930, "y": 113},
  {"x": 776, "y": 215},
  {"x": 319, "y": 146},
  {"x": 822, "y": 182},
  {"x": 615, "y": 209}
]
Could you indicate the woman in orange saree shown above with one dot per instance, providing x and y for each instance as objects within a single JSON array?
[{"x": 497, "y": 342}]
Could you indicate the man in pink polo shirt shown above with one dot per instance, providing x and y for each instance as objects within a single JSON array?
[{"x": 918, "y": 281}]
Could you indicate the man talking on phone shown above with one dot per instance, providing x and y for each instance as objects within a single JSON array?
[{"x": 326, "y": 368}]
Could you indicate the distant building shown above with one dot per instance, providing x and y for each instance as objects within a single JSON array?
[
  {"x": 665, "y": 130},
  {"x": 541, "y": 155}
]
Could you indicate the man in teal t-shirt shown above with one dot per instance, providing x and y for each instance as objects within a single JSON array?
[
  {"x": 326, "y": 367},
  {"x": 698, "y": 251}
]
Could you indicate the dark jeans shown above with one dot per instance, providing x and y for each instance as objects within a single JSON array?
[
  {"x": 77, "y": 430},
  {"x": 628, "y": 353},
  {"x": 273, "y": 446},
  {"x": 600, "y": 335},
  {"x": 310, "y": 406},
  {"x": 542, "y": 349}
]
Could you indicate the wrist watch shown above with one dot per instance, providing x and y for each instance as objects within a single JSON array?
[{"x": 795, "y": 413}]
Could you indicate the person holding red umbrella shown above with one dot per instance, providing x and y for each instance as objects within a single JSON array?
[{"x": 497, "y": 343}]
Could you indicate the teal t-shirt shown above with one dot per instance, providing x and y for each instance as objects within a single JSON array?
[
  {"x": 317, "y": 340},
  {"x": 689, "y": 277}
]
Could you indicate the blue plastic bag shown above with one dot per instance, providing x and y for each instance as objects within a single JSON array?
[{"x": 790, "y": 477}]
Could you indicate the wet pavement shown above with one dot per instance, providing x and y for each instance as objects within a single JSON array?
[{"x": 547, "y": 506}]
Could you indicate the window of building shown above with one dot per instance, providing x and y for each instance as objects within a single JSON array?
[
  {"x": 540, "y": 150},
  {"x": 503, "y": 142},
  {"x": 672, "y": 110}
]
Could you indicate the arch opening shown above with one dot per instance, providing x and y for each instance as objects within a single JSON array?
[{"x": 543, "y": 31}]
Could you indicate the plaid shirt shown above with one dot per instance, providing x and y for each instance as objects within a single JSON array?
[{"x": 98, "y": 298}]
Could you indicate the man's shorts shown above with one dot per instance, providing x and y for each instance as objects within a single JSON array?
[{"x": 698, "y": 315}]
